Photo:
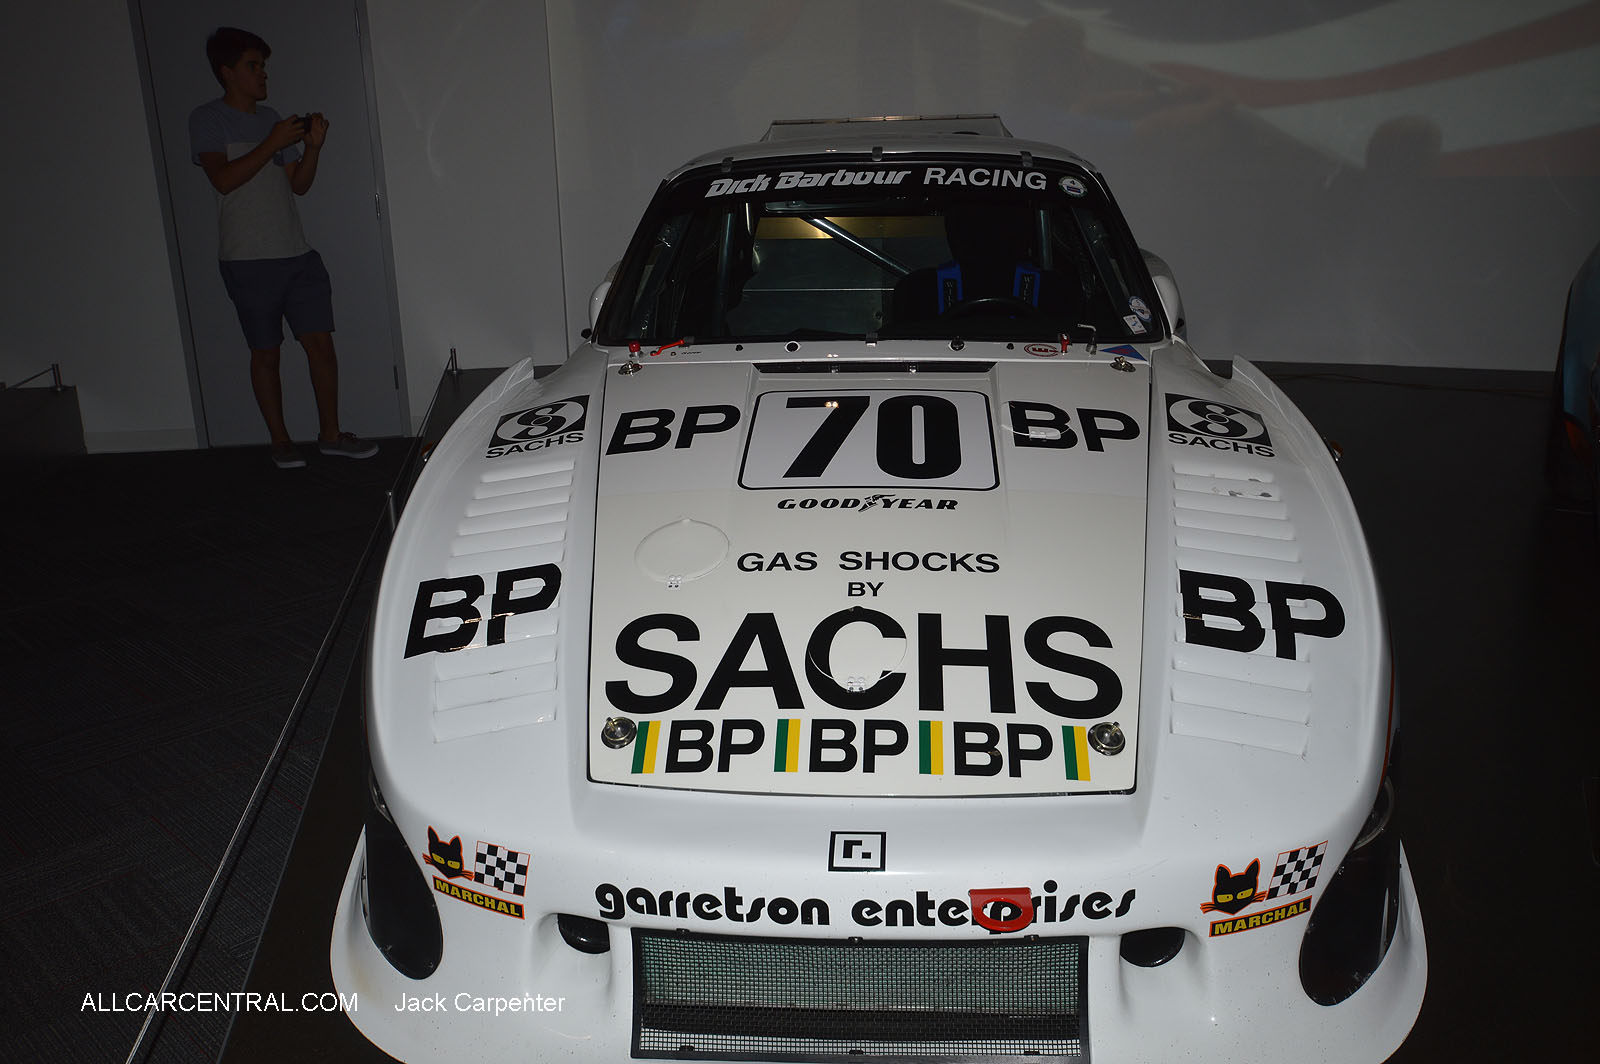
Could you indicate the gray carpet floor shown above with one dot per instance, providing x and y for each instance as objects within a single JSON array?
[{"x": 161, "y": 616}]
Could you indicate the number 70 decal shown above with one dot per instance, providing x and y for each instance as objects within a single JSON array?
[{"x": 865, "y": 439}]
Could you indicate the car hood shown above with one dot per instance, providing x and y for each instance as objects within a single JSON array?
[
  {"x": 606, "y": 609},
  {"x": 897, "y": 583}
]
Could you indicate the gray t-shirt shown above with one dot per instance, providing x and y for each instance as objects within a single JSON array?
[{"x": 257, "y": 220}]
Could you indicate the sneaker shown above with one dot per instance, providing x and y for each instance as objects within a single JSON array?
[
  {"x": 348, "y": 445},
  {"x": 287, "y": 456}
]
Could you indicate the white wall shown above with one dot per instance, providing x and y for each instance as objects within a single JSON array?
[
  {"x": 468, "y": 153},
  {"x": 463, "y": 99},
  {"x": 88, "y": 282},
  {"x": 1410, "y": 182},
  {"x": 1400, "y": 182}
]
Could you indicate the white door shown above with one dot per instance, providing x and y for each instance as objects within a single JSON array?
[{"x": 316, "y": 65}]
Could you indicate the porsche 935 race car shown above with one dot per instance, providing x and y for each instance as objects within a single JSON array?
[{"x": 883, "y": 638}]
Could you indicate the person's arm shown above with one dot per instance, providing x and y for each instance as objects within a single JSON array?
[
  {"x": 228, "y": 174},
  {"x": 303, "y": 170}
]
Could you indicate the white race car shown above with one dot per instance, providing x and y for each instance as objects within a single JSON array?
[{"x": 884, "y": 638}]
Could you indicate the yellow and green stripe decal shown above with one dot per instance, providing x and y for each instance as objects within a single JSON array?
[
  {"x": 786, "y": 753},
  {"x": 644, "y": 746},
  {"x": 930, "y": 738},
  {"x": 1075, "y": 751}
]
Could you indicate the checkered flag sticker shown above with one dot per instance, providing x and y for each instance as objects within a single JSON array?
[
  {"x": 504, "y": 870},
  {"x": 1296, "y": 870}
]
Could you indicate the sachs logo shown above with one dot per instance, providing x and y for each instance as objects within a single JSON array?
[
  {"x": 1220, "y": 426},
  {"x": 541, "y": 426}
]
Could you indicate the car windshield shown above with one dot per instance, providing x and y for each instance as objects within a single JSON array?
[{"x": 977, "y": 248}]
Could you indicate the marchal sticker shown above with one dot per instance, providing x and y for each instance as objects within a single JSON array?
[
  {"x": 482, "y": 901},
  {"x": 1072, "y": 186},
  {"x": 446, "y": 856},
  {"x": 1295, "y": 872},
  {"x": 500, "y": 868},
  {"x": 1233, "y": 892},
  {"x": 1260, "y": 919}
]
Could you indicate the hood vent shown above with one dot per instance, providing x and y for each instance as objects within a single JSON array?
[
  {"x": 1231, "y": 519},
  {"x": 517, "y": 517}
]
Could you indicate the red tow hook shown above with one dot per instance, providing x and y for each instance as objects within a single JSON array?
[{"x": 1018, "y": 898}]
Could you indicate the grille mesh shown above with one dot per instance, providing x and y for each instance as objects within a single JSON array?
[{"x": 704, "y": 997}]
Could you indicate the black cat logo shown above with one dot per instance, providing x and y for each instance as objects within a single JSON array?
[
  {"x": 446, "y": 857},
  {"x": 1232, "y": 893}
]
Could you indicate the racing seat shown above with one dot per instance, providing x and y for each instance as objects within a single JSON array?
[{"x": 992, "y": 270}]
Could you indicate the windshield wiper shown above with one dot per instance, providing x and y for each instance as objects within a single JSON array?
[{"x": 687, "y": 341}]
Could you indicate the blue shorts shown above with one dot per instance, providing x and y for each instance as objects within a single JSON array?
[{"x": 266, "y": 291}]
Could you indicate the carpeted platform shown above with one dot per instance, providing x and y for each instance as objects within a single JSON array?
[{"x": 161, "y": 616}]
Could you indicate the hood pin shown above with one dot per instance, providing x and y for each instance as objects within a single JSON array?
[
  {"x": 1107, "y": 738},
  {"x": 632, "y": 365},
  {"x": 618, "y": 732}
]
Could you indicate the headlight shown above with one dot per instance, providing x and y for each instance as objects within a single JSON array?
[
  {"x": 401, "y": 915},
  {"x": 402, "y": 918},
  {"x": 1351, "y": 929}
]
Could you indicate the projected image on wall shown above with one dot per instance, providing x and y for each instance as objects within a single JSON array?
[{"x": 1347, "y": 181}]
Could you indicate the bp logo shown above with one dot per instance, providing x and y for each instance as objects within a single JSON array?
[
  {"x": 1220, "y": 426},
  {"x": 540, "y": 426}
]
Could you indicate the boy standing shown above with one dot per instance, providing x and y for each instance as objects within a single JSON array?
[{"x": 256, "y": 162}]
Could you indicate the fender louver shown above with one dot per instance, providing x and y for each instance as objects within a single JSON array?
[
  {"x": 517, "y": 517},
  {"x": 1233, "y": 520}
]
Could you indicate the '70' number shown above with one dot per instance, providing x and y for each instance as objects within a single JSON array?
[{"x": 913, "y": 438}]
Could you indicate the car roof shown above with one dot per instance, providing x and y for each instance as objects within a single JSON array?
[{"x": 978, "y": 134}]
